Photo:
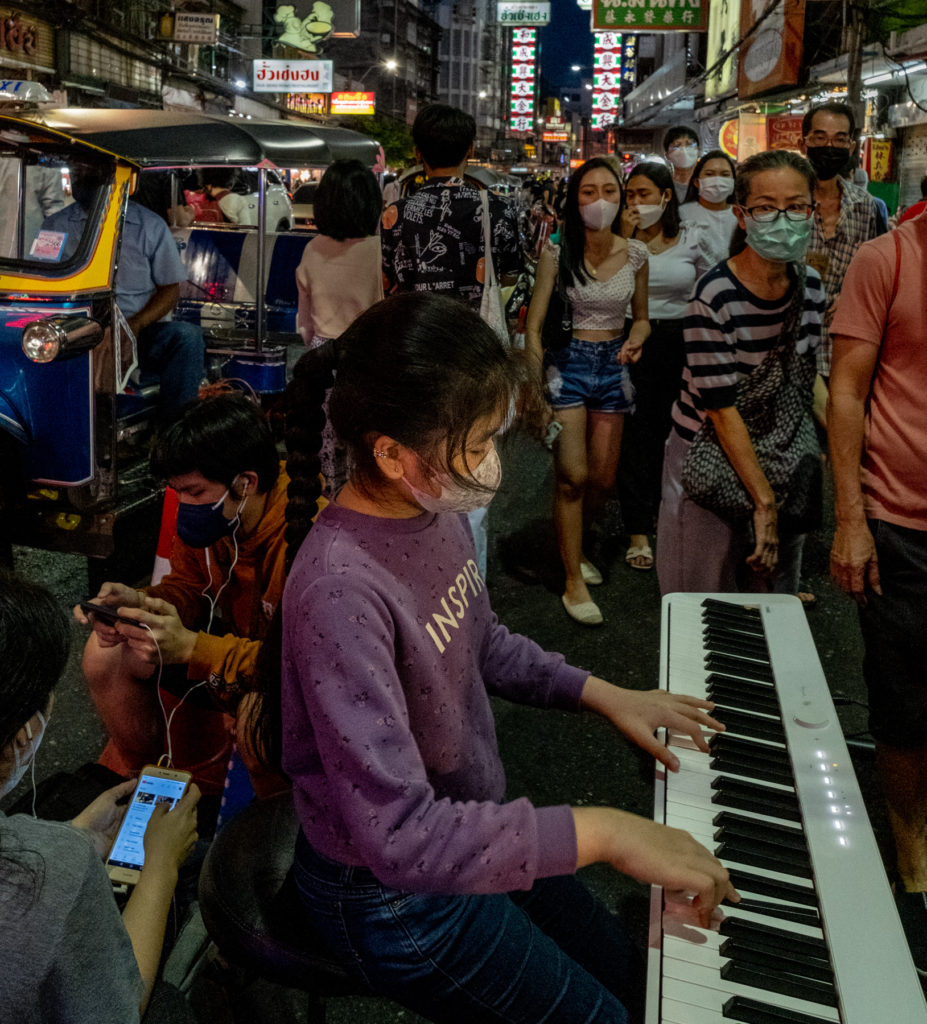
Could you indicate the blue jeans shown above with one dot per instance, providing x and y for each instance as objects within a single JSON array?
[
  {"x": 587, "y": 373},
  {"x": 173, "y": 353},
  {"x": 553, "y": 954}
]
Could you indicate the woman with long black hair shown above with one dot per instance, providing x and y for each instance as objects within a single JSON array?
[{"x": 604, "y": 278}]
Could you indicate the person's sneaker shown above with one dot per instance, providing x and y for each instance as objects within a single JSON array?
[{"x": 912, "y": 909}]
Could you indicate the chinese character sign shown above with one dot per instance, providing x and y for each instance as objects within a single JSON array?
[
  {"x": 651, "y": 15},
  {"x": 523, "y": 12},
  {"x": 628, "y": 65},
  {"x": 524, "y": 51},
  {"x": 606, "y": 79}
]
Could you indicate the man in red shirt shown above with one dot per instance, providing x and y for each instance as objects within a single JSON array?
[
  {"x": 916, "y": 209},
  {"x": 877, "y": 423}
]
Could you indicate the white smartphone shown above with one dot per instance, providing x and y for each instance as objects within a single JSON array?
[{"x": 155, "y": 786}]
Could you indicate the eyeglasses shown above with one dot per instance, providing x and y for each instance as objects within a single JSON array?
[
  {"x": 823, "y": 139},
  {"x": 768, "y": 214}
]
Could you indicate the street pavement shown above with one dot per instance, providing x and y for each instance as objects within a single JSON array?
[{"x": 552, "y": 757}]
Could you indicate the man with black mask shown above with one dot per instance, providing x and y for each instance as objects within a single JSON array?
[{"x": 845, "y": 215}]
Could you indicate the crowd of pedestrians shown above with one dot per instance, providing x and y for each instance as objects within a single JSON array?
[{"x": 693, "y": 330}]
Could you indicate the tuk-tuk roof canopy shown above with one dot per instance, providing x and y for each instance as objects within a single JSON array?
[{"x": 166, "y": 138}]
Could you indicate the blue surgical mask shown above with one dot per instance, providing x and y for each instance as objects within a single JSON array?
[
  {"x": 783, "y": 239},
  {"x": 200, "y": 526}
]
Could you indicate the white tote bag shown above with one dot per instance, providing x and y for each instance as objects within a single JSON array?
[{"x": 491, "y": 308}]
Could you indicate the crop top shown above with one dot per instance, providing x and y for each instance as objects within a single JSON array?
[{"x": 603, "y": 305}]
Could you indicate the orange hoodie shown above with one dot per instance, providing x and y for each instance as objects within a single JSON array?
[{"x": 245, "y": 605}]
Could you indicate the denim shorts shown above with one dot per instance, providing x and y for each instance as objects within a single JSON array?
[
  {"x": 587, "y": 373},
  {"x": 553, "y": 953}
]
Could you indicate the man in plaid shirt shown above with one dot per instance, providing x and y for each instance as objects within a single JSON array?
[{"x": 845, "y": 215}]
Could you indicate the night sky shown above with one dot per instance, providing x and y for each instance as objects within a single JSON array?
[{"x": 566, "y": 40}]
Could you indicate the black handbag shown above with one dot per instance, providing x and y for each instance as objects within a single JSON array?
[
  {"x": 775, "y": 403},
  {"x": 557, "y": 332}
]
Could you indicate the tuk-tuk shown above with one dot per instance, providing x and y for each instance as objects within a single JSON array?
[{"x": 74, "y": 425}]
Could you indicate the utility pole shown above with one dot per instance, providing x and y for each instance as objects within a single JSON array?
[{"x": 853, "y": 45}]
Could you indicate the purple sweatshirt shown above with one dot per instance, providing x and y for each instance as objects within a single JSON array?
[{"x": 389, "y": 649}]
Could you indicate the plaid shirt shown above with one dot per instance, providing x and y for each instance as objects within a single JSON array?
[{"x": 831, "y": 257}]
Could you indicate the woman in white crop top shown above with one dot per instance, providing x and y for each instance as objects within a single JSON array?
[
  {"x": 589, "y": 387},
  {"x": 679, "y": 255}
]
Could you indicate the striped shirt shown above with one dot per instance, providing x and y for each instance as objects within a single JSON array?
[
  {"x": 728, "y": 331},
  {"x": 857, "y": 223}
]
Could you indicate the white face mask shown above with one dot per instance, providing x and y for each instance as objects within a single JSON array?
[
  {"x": 715, "y": 190},
  {"x": 649, "y": 213},
  {"x": 599, "y": 214},
  {"x": 456, "y": 497},
  {"x": 683, "y": 157},
  {"x": 21, "y": 761}
]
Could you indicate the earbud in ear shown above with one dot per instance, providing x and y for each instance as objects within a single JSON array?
[{"x": 28, "y": 728}]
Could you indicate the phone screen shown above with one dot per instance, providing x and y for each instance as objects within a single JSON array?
[{"x": 129, "y": 849}]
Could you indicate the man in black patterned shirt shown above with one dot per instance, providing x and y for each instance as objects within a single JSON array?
[{"x": 433, "y": 239}]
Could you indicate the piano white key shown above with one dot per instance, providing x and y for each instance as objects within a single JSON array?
[
  {"x": 687, "y": 808},
  {"x": 674, "y": 1012},
  {"x": 697, "y": 762},
  {"x": 704, "y": 986}
]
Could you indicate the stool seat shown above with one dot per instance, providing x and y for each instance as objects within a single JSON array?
[{"x": 252, "y": 909}]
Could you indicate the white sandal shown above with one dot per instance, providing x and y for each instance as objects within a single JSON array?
[{"x": 639, "y": 551}]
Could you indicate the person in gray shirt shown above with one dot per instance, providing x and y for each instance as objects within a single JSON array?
[{"x": 65, "y": 953}]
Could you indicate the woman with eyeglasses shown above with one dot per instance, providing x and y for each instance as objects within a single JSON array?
[
  {"x": 708, "y": 201},
  {"x": 742, "y": 463}
]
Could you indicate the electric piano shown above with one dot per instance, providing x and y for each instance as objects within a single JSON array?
[{"x": 816, "y": 937}]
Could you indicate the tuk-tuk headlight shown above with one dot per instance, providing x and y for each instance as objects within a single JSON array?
[
  {"x": 46, "y": 339},
  {"x": 42, "y": 341}
]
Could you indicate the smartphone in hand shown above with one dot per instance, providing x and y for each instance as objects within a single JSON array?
[
  {"x": 155, "y": 786},
  {"x": 104, "y": 613}
]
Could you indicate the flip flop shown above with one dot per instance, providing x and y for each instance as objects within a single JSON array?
[{"x": 639, "y": 551}]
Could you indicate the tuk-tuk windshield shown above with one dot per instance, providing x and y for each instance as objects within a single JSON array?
[{"x": 51, "y": 208}]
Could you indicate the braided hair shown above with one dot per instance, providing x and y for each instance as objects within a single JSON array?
[{"x": 417, "y": 367}]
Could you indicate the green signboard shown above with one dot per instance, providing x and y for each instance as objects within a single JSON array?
[{"x": 651, "y": 15}]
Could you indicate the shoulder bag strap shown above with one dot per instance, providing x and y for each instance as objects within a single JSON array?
[{"x": 489, "y": 272}]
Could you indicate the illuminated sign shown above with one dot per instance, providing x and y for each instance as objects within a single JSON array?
[
  {"x": 353, "y": 103},
  {"x": 723, "y": 32},
  {"x": 523, "y": 12},
  {"x": 292, "y": 76},
  {"x": 555, "y": 137},
  {"x": 524, "y": 73},
  {"x": 606, "y": 79},
  {"x": 307, "y": 102},
  {"x": 651, "y": 15}
]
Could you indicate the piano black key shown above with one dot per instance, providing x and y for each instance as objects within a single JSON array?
[
  {"x": 746, "y": 643},
  {"x": 784, "y": 960},
  {"x": 765, "y": 831},
  {"x": 756, "y": 686},
  {"x": 723, "y": 743},
  {"x": 762, "y": 855},
  {"x": 738, "y": 667},
  {"x": 773, "y": 938},
  {"x": 725, "y": 619},
  {"x": 713, "y": 606},
  {"x": 752, "y": 1011},
  {"x": 752, "y": 769},
  {"x": 744, "y": 723},
  {"x": 749, "y": 700},
  {"x": 798, "y": 915},
  {"x": 750, "y": 796},
  {"x": 779, "y": 890},
  {"x": 788, "y": 985},
  {"x": 716, "y": 645}
]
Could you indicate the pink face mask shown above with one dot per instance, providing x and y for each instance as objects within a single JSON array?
[{"x": 456, "y": 497}]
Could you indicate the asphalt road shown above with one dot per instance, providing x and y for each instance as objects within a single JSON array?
[{"x": 552, "y": 757}]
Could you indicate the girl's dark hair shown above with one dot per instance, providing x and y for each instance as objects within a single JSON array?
[
  {"x": 348, "y": 201},
  {"x": 34, "y": 643},
  {"x": 417, "y": 367},
  {"x": 769, "y": 160},
  {"x": 219, "y": 436},
  {"x": 573, "y": 231},
  {"x": 712, "y": 154},
  {"x": 657, "y": 174}
]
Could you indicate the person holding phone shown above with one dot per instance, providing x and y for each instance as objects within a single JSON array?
[
  {"x": 422, "y": 879},
  {"x": 198, "y": 631},
  {"x": 65, "y": 954}
]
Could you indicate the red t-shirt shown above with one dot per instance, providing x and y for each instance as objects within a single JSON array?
[
  {"x": 895, "y": 447},
  {"x": 913, "y": 211}
]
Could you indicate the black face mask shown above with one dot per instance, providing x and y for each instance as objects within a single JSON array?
[{"x": 828, "y": 161}]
